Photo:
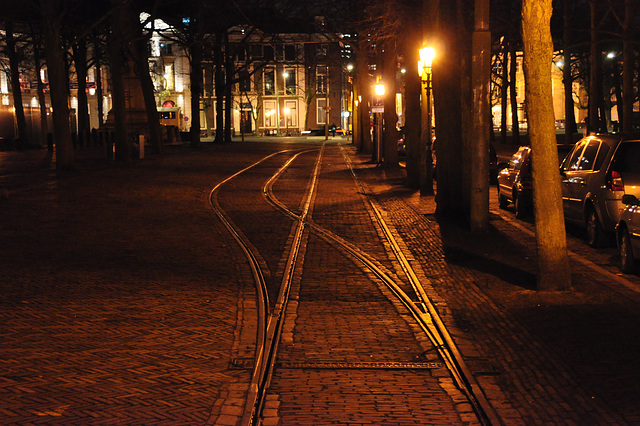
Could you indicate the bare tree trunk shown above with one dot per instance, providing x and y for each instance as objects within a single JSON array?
[
  {"x": 196, "y": 93},
  {"x": 412, "y": 131},
  {"x": 355, "y": 116},
  {"x": 16, "y": 90},
  {"x": 365, "y": 103},
  {"x": 504, "y": 94},
  {"x": 80, "y": 61},
  {"x": 628, "y": 66},
  {"x": 140, "y": 55},
  {"x": 117, "y": 61},
  {"x": 44, "y": 123},
  {"x": 481, "y": 77},
  {"x": 219, "y": 87},
  {"x": 59, "y": 87},
  {"x": 567, "y": 78},
  {"x": 390, "y": 135},
  {"x": 515, "y": 120},
  {"x": 228, "y": 95},
  {"x": 98, "y": 72},
  {"x": 554, "y": 273},
  {"x": 447, "y": 98},
  {"x": 596, "y": 97}
]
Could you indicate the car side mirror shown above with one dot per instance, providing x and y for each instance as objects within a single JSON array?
[
  {"x": 562, "y": 173},
  {"x": 630, "y": 200}
]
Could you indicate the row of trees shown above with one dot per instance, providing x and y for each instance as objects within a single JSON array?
[
  {"x": 581, "y": 29},
  {"x": 389, "y": 34},
  {"x": 69, "y": 37}
]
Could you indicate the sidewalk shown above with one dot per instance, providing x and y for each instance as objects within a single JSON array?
[{"x": 65, "y": 242}]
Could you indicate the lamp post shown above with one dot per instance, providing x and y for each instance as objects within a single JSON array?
[
  {"x": 426, "y": 158},
  {"x": 378, "y": 110},
  {"x": 352, "y": 108},
  {"x": 287, "y": 111}
]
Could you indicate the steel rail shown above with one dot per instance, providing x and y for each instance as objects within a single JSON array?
[
  {"x": 262, "y": 294},
  {"x": 423, "y": 310},
  {"x": 277, "y": 316},
  {"x": 444, "y": 342}
]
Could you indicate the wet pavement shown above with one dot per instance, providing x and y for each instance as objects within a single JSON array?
[{"x": 121, "y": 295}]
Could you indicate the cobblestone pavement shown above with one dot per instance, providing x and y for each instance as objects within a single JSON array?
[{"x": 120, "y": 299}]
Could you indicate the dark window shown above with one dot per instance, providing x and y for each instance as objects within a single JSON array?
[
  {"x": 256, "y": 51},
  {"x": 269, "y": 82},
  {"x": 165, "y": 49},
  {"x": 268, "y": 53},
  {"x": 321, "y": 50},
  {"x": 628, "y": 158},
  {"x": 290, "y": 52},
  {"x": 321, "y": 79},
  {"x": 290, "y": 82},
  {"x": 242, "y": 54},
  {"x": 245, "y": 82},
  {"x": 602, "y": 154}
]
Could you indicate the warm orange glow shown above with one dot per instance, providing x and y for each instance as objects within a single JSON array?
[{"x": 426, "y": 56}]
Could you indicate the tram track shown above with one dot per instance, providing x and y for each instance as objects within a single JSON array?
[{"x": 271, "y": 322}]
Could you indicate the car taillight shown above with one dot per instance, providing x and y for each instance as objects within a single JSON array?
[{"x": 614, "y": 181}]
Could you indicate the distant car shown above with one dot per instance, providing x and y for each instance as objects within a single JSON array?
[
  {"x": 628, "y": 234},
  {"x": 515, "y": 184},
  {"x": 596, "y": 173}
]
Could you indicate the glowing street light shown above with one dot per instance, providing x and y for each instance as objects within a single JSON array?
[{"x": 427, "y": 54}]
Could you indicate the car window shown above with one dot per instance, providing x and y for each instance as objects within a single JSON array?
[
  {"x": 516, "y": 161},
  {"x": 588, "y": 158},
  {"x": 602, "y": 155},
  {"x": 627, "y": 157},
  {"x": 574, "y": 160}
]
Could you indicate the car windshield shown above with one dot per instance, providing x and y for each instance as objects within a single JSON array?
[{"x": 516, "y": 161}]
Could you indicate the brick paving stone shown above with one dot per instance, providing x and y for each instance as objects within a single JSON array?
[{"x": 122, "y": 301}]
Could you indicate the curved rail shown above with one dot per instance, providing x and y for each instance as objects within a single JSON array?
[
  {"x": 271, "y": 323},
  {"x": 261, "y": 287},
  {"x": 423, "y": 310},
  {"x": 436, "y": 327}
]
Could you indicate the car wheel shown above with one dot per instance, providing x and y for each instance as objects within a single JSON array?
[
  {"x": 596, "y": 236},
  {"x": 627, "y": 262},
  {"x": 503, "y": 202}
]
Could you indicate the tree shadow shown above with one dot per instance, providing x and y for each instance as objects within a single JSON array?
[{"x": 490, "y": 252}]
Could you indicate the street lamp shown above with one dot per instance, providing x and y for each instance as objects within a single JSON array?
[
  {"x": 378, "y": 110},
  {"x": 426, "y": 159},
  {"x": 287, "y": 111}
]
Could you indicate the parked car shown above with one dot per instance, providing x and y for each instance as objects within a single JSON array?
[
  {"x": 628, "y": 234},
  {"x": 596, "y": 173},
  {"x": 515, "y": 184}
]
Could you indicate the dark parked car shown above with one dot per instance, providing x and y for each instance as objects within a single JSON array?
[
  {"x": 596, "y": 173},
  {"x": 628, "y": 234},
  {"x": 515, "y": 183}
]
